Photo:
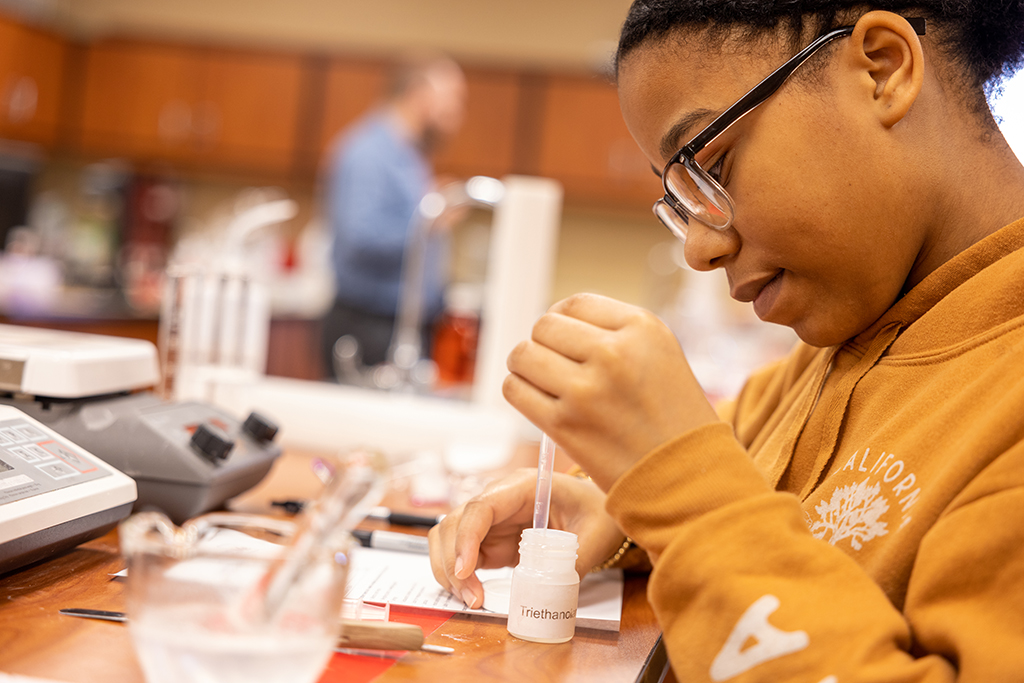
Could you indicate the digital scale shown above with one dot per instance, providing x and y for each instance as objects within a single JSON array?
[
  {"x": 75, "y": 420},
  {"x": 53, "y": 494}
]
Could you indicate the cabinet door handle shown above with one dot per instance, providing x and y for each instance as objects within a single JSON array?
[{"x": 21, "y": 100}]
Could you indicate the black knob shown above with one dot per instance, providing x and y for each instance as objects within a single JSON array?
[
  {"x": 211, "y": 443},
  {"x": 259, "y": 428}
]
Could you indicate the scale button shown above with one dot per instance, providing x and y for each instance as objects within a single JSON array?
[
  {"x": 29, "y": 432},
  {"x": 11, "y": 435},
  {"x": 211, "y": 443},
  {"x": 71, "y": 457},
  {"x": 259, "y": 428},
  {"x": 59, "y": 470},
  {"x": 25, "y": 454},
  {"x": 38, "y": 451}
]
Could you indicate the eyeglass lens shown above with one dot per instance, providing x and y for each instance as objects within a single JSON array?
[
  {"x": 697, "y": 195},
  {"x": 676, "y": 222}
]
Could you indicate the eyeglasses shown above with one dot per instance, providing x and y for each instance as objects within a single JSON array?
[{"x": 692, "y": 193}]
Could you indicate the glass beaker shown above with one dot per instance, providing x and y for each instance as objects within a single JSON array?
[{"x": 195, "y": 595}]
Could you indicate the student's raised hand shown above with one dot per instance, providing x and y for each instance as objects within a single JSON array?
[
  {"x": 607, "y": 381},
  {"x": 484, "y": 533}
]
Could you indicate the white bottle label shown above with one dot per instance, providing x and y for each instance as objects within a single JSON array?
[{"x": 538, "y": 611}]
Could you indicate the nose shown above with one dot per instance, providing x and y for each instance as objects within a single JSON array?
[{"x": 707, "y": 248}]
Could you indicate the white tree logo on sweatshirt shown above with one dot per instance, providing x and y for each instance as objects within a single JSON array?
[{"x": 852, "y": 513}]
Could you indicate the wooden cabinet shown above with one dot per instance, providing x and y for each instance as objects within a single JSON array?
[
  {"x": 274, "y": 113},
  {"x": 294, "y": 349},
  {"x": 351, "y": 88},
  {"x": 584, "y": 143},
  {"x": 249, "y": 115},
  {"x": 138, "y": 101},
  {"x": 486, "y": 143},
  {"x": 196, "y": 107},
  {"x": 32, "y": 66}
]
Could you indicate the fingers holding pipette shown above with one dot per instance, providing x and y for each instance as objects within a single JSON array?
[
  {"x": 569, "y": 331},
  {"x": 621, "y": 388},
  {"x": 550, "y": 368}
]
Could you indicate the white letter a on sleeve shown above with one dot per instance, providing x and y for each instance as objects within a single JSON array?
[{"x": 771, "y": 643}]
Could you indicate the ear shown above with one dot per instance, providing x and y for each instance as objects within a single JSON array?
[{"x": 887, "y": 51}]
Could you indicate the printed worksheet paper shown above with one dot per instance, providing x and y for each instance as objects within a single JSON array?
[{"x": 405, "y": 579}]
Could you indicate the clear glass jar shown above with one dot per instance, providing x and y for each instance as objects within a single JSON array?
[
  {"x": 195, "y": 594},
  {"x": 545, "y": 587}
]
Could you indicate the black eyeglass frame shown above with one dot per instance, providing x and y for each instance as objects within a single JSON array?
[{"x": 743, "y": 106}]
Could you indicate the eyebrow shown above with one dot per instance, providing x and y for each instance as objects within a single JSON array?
[{"x": 670, "y": 141}]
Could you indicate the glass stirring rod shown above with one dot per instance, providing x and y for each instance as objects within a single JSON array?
[{"x": 542, "y": 497}]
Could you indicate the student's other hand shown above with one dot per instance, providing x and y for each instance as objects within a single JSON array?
[
  {"x": 484, "y": 533},
  {"x": 607, "y": 381}
]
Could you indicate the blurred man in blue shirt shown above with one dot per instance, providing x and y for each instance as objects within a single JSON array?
[{"x": 377, "y": 173}]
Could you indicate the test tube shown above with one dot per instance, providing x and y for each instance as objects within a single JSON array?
[
  {"x": 170, "y": 334},
  {"x": 542, "y": 497}
]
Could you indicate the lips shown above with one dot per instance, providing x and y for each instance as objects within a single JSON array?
[
  {"x": 763, "y": 291},
  {"x": 751, "y": 289}
]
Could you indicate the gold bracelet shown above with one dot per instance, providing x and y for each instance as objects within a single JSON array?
[
  {"x": 577, "y": 472},
  {"x": 611, "y": 561}
]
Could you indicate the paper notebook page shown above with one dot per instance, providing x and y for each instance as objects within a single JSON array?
[{"x": 405, "y": 579}]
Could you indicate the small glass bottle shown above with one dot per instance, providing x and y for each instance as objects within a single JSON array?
[{"x": 545, "y": 587}]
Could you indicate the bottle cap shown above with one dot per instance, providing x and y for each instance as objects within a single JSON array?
[{"x": 496, "y": 595}]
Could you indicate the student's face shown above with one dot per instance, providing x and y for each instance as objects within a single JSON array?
[{"x": 823, "y": 238}]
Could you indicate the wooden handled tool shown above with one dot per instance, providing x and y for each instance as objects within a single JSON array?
[
  {"x": 355, "y": 634},
  {"x": 385, "y": 635},
  {"x": 380, "y": 635}
]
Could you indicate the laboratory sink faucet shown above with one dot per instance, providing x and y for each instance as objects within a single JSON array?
[{"x": 405, "y": 370}]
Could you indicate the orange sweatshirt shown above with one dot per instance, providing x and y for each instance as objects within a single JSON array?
[{"x": 860, "y": 514}]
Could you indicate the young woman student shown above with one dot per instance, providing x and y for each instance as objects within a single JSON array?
[{"x": 857, "y": 513}]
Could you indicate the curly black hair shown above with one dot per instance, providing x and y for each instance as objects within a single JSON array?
[{"x": 984, "y": 37}]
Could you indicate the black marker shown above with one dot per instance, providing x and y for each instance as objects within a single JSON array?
[
  {"x": 385, "y": 514},
  {"x": 389, "y": 540},
  {"x": 293, "y": 507}
]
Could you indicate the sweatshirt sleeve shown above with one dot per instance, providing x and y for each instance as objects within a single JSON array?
[{"x": 744, "y": 593}]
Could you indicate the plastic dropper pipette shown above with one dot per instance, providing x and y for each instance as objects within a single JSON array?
[{"x": 542, "y": 497}]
